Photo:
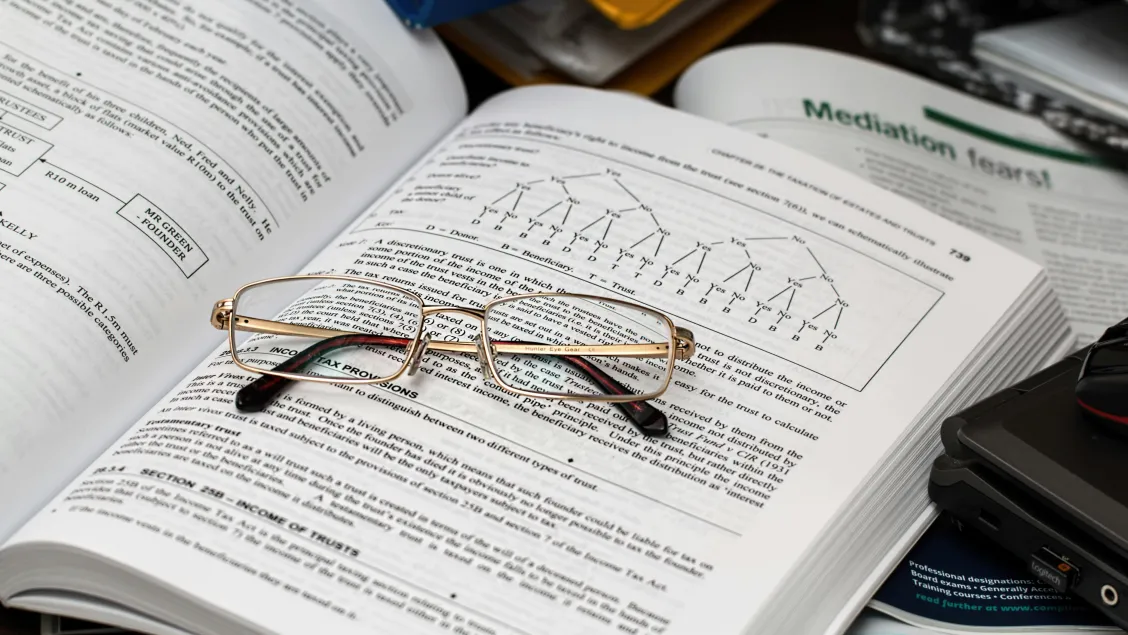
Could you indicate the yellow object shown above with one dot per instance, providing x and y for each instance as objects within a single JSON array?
[
  {"x": 647, "y": 75},
  {"x": 634, "y": 14}
]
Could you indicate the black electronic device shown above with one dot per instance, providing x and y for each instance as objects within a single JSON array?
[
  {"x": 1045, "y": 482},
  {"x": 1102, "y": 388}
]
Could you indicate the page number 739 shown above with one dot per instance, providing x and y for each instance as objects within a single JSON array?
[{"x": 959, "y": 255}]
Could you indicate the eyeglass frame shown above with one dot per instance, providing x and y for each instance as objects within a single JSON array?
[{"x": 682, "y": 338}]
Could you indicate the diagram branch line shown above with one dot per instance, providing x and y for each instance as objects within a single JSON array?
[
  {"x": 79, "y": 178},
  {"x": 588, "y": 226},
  {"x": 643, "y": 240},
  {"x": 554, "y": 206},
  {"x": 782, "y": 291},
  {"x": 627, "y": 191},
  {"x": 740, "y": 271},
  {"x": 820, "y": 313},
  {"x": 685, "y": 256},
  {"x": 504, "y": 196},
  {"x": 823, "y": 269}
]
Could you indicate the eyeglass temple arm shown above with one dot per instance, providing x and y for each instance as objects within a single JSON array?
[
  {"x": 258, "y": 394},
  {"x": 684, "y": 346},
  {"x": 261, "y": 392}
]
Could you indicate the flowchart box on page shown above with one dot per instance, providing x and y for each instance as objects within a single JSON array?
[
  {"x": 19, "y": 150},
  {"x": 165, "y": 233},
  {"x": 28, "y": 112}
]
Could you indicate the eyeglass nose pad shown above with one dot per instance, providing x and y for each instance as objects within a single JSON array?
[
  {"x": 483, "y": 361},
  {"x": 417, "y": 356}
]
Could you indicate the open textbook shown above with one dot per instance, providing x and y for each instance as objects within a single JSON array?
[
  {"x": 1002, "y": 174},
  {"x": 154, "y": 157}
]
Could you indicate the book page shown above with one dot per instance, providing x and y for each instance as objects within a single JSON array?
[
  {"x": 1002, "y": 174},
  {"x": 442, "y": 503},
  {"x": 149, "y": 154}
]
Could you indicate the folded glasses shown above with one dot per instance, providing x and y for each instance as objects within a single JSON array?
[{"x": 350, "y": 330}]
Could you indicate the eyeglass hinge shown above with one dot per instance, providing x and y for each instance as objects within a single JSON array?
[
  {"x": 686, "y": 345},
  {"x": 221, "y": 313}
]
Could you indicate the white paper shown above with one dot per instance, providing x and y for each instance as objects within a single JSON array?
[{"x": 151, "y": 153}]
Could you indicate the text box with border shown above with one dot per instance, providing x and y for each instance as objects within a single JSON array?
[
  {"x": 19, "y": 150},
  {"x": 165, "y": 233},
  {"x": 28, "y": 112}
]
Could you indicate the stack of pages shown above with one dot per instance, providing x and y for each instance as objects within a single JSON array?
[{"x": 155, "y": 157}]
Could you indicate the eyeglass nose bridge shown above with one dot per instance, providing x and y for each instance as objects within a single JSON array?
[
  {"x": 483, "y": 360},
  {"x": 417, "y": 355},
  {"x": 470, "y": 312},
  {"x": 479, "y": 340}
]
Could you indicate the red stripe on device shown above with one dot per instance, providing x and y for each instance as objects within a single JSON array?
[{"x": 1102, "y": 414}]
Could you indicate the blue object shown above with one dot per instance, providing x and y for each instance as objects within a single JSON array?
[
  {"x": 945, "y": 580},
  {"x": 423, "y": 14}
]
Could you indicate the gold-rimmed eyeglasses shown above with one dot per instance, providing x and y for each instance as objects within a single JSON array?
[{"x": 352, "y": 330}]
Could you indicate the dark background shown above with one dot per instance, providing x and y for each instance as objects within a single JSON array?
[{"x": 823, "y": 23}]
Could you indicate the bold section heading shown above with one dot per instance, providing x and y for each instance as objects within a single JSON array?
[{"x": 870, "y": 121}]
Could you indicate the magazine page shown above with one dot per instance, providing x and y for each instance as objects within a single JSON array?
[
  {"x": 957, "y": 581},
  {"x": 441, "y": 502},
  {"x": 149, "y": 154},
  {"x": 1002, "y": 174}
]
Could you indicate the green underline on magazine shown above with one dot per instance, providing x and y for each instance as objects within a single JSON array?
[{"x": 1002, "y": 139}]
